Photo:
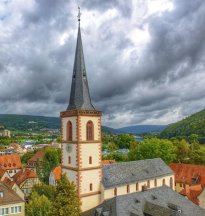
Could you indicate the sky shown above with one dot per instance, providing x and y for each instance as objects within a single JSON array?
[{"x": 145, "y": 59}]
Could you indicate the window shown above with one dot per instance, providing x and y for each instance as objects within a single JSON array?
[
  {"x": 91, "y": 187},
  {"x": 69, "y": 131},
  {"x": 115, "y": 192},
  {"x": 4, "y": 211},
  {"x": 148, "y": 184},
  {"x": 69, "y": 159},
  {"x": 128, "y": 188},
  {"x": 1, "y": 194},
  {"x": 90, "y": 130},
  {"x": 90, "y": 160},
  {"x": 163, "y": 181},
  {"x": 155, "y": 182},
  {"x": 16, "y": 209},
  {"x": 171, "y": 182},
  {"x": 137, "y": 186}
]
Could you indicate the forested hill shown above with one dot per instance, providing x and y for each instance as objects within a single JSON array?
[
  {"x": 194, "y": 124},
  {"x": 28, "y": 122}
]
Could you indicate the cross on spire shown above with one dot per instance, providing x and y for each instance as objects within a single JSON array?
[
  {"x": 79, "y": 95},
  {"x": 79, "y": 15}
]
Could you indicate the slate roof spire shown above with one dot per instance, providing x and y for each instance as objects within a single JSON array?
[{"x": 79, "y": 95}]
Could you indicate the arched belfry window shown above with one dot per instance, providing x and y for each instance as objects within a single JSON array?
[
  {"x": 69, "y": 131},
  {"x": 90, "y": 130}
]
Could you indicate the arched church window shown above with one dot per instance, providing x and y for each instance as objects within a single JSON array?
[
  {"x": 115, "y": 192},
  {"x": 171, "y": 183},
  {"x": 137, "y": 186},
  {"x": 163, "y": 181},
  {"x": 155, "y": 182},
  {"x": 128, "y": 188},
  {"x": 90, "y": 130},
  {"x": 148, "y": 184},
  {"x": 69, "y": 131}
]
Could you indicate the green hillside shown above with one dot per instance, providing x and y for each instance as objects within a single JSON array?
[
  {"x": 35, "y": 123},
  {"x": 28, "y": 122},
  {"x": 194, "y": 124}
]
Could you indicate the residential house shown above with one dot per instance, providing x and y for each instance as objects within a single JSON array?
[
  {"x": 36, "y": 160},
  {"x": 3, "y": 174},
  {"x": 188, "y": 174},
  {"x": 10, "y": 202},
  {"x": 11, "y": 163},
  {"x": 26, "y": 179},
  {"x": 190, "y": 182},
  {"x": 55, "y": 175},
  {"x": 9, "y": 182}
]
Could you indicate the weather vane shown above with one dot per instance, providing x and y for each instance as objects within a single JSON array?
[{"x": 79, "y": 14}]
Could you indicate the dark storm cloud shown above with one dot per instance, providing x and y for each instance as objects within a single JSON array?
[{"x": 157, "y": 82}]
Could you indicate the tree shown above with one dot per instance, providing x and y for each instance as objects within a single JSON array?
[
  {"x": 51, "y": 159},
  {"x": 133, "y": 151},
  {"x": 66, "y": 199},
  {"x": 38, "y": 205},
  {"x": 26, "y": 157},
  {"x": 182, "y": 150},
  {"x": 124, "y": 140},
  {"x": 156, "y": 148},
  {"x": 46, "y": 190}
]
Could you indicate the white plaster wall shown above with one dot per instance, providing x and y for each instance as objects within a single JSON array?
[
  {"x": 90, "y": 177},
  {"x": 121, "y": 190},
  {"x": 84, "y": 120},
  {"x": 67, "y": 153},
  {"x": 90, "y": 202},
  {"x": 64, "y": 127},
  {"x": 92, "y": 150}
]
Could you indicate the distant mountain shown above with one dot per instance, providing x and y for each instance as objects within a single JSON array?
[
  {"x": 194, "y": 124},
  {"x": 37, "y": 123},
  {"x": 28, "y": 122},
  {"x": 139, "y": 129}
]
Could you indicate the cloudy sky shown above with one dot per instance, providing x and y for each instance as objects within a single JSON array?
[{"x": 145, "y": 59}]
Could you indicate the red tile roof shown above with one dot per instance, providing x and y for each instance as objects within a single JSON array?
[
  {"x": 9, "y": 196},
  {"x": 189, "y": 174},
  {"x": 2, "y": 171},
  {"x": 8, "y": 182},
  {"x": 10, "y": 162},
  {"x": 57, "y": 172},
  {"x": 107, "y": 162},
  {"x": 23, "y": 175},
  {"x": 37, "y": 157},
  {"x": 192, "y": 193}
]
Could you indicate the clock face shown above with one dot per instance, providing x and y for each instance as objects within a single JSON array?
[{"x": 69, "y": 148}]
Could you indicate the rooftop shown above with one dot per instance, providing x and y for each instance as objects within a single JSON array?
[
  {"x": 161, "y": 201},
  {"x": 189, "y": 173},
  {"x": 10, "y": 162},
  {"x": 8, "y": 196},
  {"x": 37, "y": 157},
  {"x": 57, "y": 172},
  {"x": 127, "y": 172},
  {"x": 23, "y": 175}
]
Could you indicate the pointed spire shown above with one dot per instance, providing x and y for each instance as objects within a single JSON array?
[{"x": 79, "y": 95}]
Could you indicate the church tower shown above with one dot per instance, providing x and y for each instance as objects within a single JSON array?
[{"x": 81, "y": 135}]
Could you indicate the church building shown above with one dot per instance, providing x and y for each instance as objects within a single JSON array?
[{"x": 82, "y": 151}]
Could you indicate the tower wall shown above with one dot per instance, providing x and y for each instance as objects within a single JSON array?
[{"x": 82, "y": 158}]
